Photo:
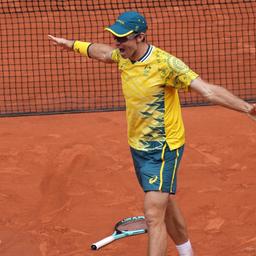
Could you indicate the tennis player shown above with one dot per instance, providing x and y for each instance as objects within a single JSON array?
[{"x": 151, "y": 79}]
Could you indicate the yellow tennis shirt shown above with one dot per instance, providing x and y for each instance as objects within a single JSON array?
[{"x": 150, "y": 87}]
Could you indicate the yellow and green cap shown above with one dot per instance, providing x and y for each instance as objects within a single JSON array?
[{"x": 127, "y": 23}]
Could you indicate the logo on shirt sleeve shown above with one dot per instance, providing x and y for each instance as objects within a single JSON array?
[{"x": 178, "y": 65}]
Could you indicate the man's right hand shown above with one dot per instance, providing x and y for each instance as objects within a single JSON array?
[{"x": 66, "y": 44}]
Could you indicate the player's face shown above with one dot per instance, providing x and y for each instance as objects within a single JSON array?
[{"x": 128, "y": 45}]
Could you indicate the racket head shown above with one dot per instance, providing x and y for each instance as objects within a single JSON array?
[{"x": 131, "y": 224}]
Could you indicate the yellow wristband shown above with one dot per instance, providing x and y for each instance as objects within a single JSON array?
[{"x": 81, "y": 47}]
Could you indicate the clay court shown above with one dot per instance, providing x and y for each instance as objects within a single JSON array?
[{"x": 66, "y": 179}]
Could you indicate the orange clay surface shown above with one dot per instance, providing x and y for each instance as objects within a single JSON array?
[{"x": 66, "y": 179}]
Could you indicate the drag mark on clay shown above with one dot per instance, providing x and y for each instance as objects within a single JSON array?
[{"x": 207, "y": 155}]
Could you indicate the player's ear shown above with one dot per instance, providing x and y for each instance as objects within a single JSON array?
[{"x": 141, "y": 37}]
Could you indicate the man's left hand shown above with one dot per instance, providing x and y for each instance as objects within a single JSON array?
[{"x": 252, "y": 113}]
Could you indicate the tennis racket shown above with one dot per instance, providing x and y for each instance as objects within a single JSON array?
[{"x": 127, "y": 227}]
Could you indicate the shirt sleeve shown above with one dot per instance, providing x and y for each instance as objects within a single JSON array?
[{"x": 180, "y": 75}]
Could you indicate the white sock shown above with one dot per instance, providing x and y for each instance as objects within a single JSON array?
[{"x": 185, "y": 249}]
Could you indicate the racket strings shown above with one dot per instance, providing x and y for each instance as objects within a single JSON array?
[{"x": 132, "y": 225}]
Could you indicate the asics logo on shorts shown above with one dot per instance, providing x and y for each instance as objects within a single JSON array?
[{"x": 152, "y": 180}]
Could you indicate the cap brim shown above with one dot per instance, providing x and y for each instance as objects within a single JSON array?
[{"x": 118, "y": 30}]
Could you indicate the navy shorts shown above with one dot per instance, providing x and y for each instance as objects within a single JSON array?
[{"x": 157, "y": 171}]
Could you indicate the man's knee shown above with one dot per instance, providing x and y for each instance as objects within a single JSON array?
[
  {"x": 154, "y": 217},
  {"x": 155, "y": 209}
]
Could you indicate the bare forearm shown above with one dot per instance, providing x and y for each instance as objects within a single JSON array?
[
  {"x": 223, "y": 97},
  {"x": 220, "y": 96},
  {"x": 101, "y": 52}
]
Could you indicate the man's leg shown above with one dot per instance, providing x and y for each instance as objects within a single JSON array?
[
  {"x": 175, "y": 223},
  {"x": 155, "y": 207},
  {"x": 176, "y": 228}
]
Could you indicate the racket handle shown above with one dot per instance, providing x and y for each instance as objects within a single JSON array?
[{"x": 99, "y": 244}]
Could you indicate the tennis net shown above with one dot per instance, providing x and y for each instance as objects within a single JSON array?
[{"x": 216, "y": 38}]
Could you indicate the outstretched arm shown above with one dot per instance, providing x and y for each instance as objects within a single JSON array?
[
  {"x": 223, "y": 97},
  {"x": 101, "y": 52}
]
